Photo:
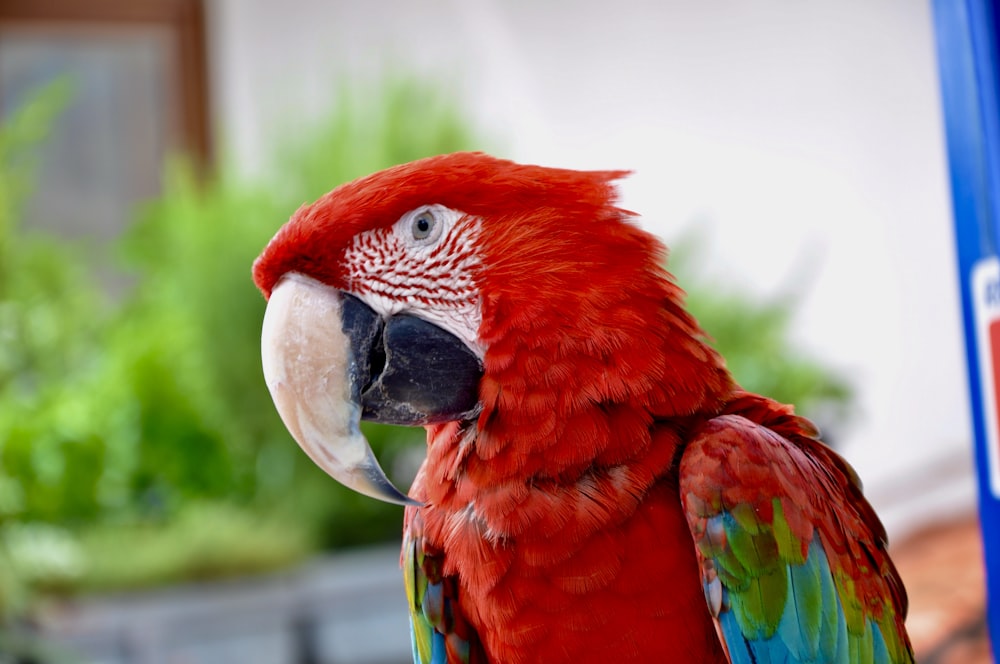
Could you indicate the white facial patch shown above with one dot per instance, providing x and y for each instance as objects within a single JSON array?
[{"x": 425, "y": 265}]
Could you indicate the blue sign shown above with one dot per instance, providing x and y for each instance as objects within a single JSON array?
[{"x": 966, "y": 33}]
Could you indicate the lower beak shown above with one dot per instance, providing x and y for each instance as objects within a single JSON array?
[{"x": 329, "y": 360}]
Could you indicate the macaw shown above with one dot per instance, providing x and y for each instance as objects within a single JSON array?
[{"x": 596, "y": 486}]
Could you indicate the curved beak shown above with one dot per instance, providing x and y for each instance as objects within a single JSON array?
[{"x": 329, "y": 360}]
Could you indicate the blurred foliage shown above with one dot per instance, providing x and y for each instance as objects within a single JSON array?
[{"x": 138, "y": 443}]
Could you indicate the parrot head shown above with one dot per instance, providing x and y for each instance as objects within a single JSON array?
[{"x": 460, "y": 288}]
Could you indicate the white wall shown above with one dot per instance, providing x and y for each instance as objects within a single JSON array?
[{"x": 806, "y": 137}]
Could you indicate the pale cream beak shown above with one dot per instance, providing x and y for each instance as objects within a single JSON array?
[{"x": 308, "y": 361}]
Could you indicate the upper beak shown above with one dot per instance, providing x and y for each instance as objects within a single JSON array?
[{"x": 330, "y": 360}]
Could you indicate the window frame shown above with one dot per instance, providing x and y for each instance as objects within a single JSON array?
[{"x": 184, "y": 20}]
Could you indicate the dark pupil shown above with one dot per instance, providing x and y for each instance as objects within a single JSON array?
[{"x": 423, "y": 225}]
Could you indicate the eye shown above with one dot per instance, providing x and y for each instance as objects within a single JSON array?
[
  {"x": 422, "y": 226},
  {"x": 425, "y": 226}
]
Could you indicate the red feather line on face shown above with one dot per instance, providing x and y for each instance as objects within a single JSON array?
[{"x": 440, "y": 278}]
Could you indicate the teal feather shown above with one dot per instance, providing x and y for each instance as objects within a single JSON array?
[
  {"x": 880, "y": 651},
  {"x": 801, "y": 624}
]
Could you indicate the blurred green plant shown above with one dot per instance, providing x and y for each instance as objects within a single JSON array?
[{"x": 138, "y": 443}]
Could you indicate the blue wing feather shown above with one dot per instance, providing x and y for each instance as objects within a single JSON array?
[{"x": 801, "y": 635}]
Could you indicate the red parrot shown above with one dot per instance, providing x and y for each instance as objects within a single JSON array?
[{"x": 597, "y": 488}]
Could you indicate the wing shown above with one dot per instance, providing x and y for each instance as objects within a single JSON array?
[
  {"x": 438, "y": 629},
  {"x": 792, "y": 556}
]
